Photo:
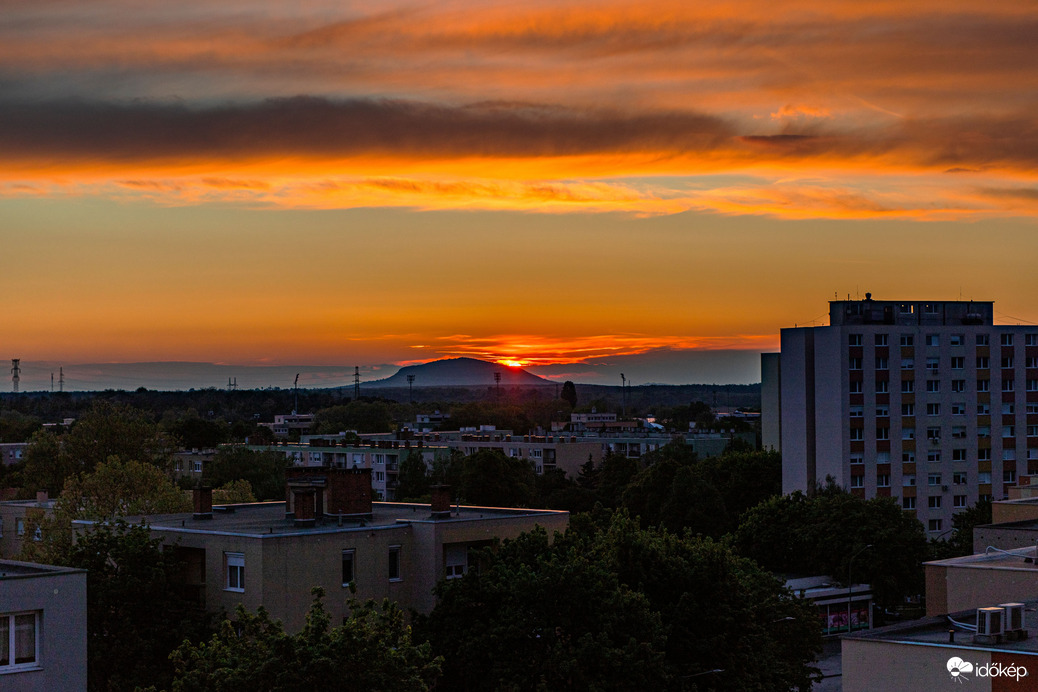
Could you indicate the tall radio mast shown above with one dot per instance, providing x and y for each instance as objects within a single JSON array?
[{"x": 16, "y": 373}]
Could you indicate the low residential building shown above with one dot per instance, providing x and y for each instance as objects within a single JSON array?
[
  {"x": 15, "y": 517},
  {"x": 43, "y": 628},
  {"x": 12, "y": 452},
  {"x": 836, "y": 604},
  {"x": 329, "y": 533}
]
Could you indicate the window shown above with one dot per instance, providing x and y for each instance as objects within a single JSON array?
[
  {"x": 1009, "y": 476},
  {"x": 1008, "y": 455},
  {"x": 1032, "y": 385},
  {"x": 958, "y": 432},
  {"x": 933, "y": 409},
  {"x": 394, "y": 563},
  {"x": 882, "y": 457},
  {"x": 1032, "y": 431},
  {"x": 857, "y": 481},
  {"x": 983, "y": 362},
  {"x": 958, "y": 385},
  {"x": 1007, "y": 361},
  {"x": 882, "y": 480},
  {"x": 933, "y": 456},
  {"x": 933, "y": 363},
  {"x": 959, "y": 501},
  {"x": 854, "y": 339},
  {"x": 1007, "y": 339},
  {"x": 933, "y": 340},
  {"x": 1032, "y": 407},
  {"x": 881, "y": 339},
  {"x": 983, "y": 455},
  {"x": 1031, "y": 340},
  {"x": 857, "y": 434},
  {"x": 907, "y": 433},
  {"x": 1008, "y": 409},
  {"x": 856, "y": 411},
  {"x": 906, "y": 340},
  {"x": 958, "y": 362},
  {"x": 907, "y": 457},
  {"x": 348, "y": 563},
  {"x": 908, "y": 503},
  {"x": 857, "y": 458},
  {"x": 1032, "y": 361},
  {"x": 984, "y": 478},
  {"x": 983, "y": 431},
  {"x": 882, "y": 433},
  {"x": 907, "y": 409},
  {"x": 882, "y": 386},
  {"x": 882, "y": 411},
  {"x": 1007, "y": 385},
  {"x": 983, "y": 385},
  {"x": 957, "y": 339},
  {"x": 933, "y": 480},
  {"x": 907, "y": 386},
  {"x": 958, "y": 455},
  {"x": 983, "y": 340},
  {"x": 959, "y": 478},
  {"x": 19, "y": 527},
  {"x": 933, "y": 432},
  {"x": 882, "y": 363},
  {"x": 934, "y": 502},
  {"x": 907, "y": 363},
  {"x": 235, "y": 563},
  {"x": 958, "y": 409},
  {"x": 983, "y": 409},
  {"x": 536, "y": 453},
  {"x": 933, "y": 386},
  {"x": 908, "y": 480},
  {"x": 854, "y": 363},
  {"x": 931, "y": 309},
  {"x": 935, "y": 524},
  {"x": 380, "y": 475},
  {"x": 19, "y": 641},
  {"x": 855, "y": 387}
]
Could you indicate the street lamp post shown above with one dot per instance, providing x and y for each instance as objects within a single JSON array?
[{"x": 850, "y": 584}]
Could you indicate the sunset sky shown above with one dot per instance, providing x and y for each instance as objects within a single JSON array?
[{"x": 578, "y": 187}]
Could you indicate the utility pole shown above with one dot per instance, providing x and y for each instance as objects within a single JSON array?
[
  {"x": 356, "y": 382},
  {"x": 410, "y": 394}
]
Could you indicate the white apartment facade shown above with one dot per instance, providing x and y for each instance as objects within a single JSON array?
[{"x": 929, "y": 402}]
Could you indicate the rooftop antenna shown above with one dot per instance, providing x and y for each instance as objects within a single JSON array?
[
  {"x": 61, "y": 380},
  {"x": 410, "y": 384},
  {"x": 356, "y": 382},
  {"x": 623, "y": 395},
  {"x": 16, "y": 373},
  {"x": 295, "y": 386}
]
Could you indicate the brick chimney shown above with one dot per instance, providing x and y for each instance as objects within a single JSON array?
[
  {"x": 349, "y": 493},
  {"x": 441, "y": 502},
  {"x": 303, "y": 503},
  {"x": 202, "y": 498}
]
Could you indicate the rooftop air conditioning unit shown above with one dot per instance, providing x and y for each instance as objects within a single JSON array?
[
  {"x": 990, "y": 625},
  {"x": 1014, "y": 625}
]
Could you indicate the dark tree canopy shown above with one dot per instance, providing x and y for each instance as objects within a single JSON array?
[
  {"x": 264, "y": 470},
  {"x": 620, "y": 608},
  {"x": 569, "y": 393},
  {"x": 371, "y": 651},
  {"x": 491, "y": 479}
]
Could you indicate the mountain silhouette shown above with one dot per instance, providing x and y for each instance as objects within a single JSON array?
[{"x": 459, "y": 372}]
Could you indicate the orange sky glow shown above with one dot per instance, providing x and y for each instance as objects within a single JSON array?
[{"x": 540, "y": 184}]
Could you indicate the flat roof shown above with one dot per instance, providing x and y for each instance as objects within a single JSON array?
[
  {"x": 994, "y": 558},
  {"x": 13, "y": 569},
  {"x": 262, "y": 519},
  {"x": 933, "y": 631}
]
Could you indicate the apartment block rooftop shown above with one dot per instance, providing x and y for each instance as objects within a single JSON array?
[{"x": 911, "y": 313}]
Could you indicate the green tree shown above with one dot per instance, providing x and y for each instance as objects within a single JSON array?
[
  {"x": 119, "y": 488},
  {"x": 413, "y": 477},
  {"x": 136, "y": 612},
  {"x": 234, "y": 492},
  {"x": 961, "y": 540},
  {"x": 569, "y": 393},
  {"x": 491, "y": 479},
  {"x": 361, "y": 416},
  {"x": 614, "y": 475},
  {"x": 264, "y": 470},
  {"x": 818, "y": 535},
  {"x": 619, "y": 607},
  {"x": 372, "y": 650},
  {"x": 46, "y": 466},
  {"x": 16, "y": 426},
  {"x": 108, "y": 430}
]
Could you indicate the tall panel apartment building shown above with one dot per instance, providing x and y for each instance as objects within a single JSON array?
[{"x": 930, "y": 402}]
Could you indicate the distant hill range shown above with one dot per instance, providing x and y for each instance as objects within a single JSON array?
[{"x": 459, "y": 372}]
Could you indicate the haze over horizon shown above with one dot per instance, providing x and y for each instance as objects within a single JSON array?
[{"x": 655, "y": 188}]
